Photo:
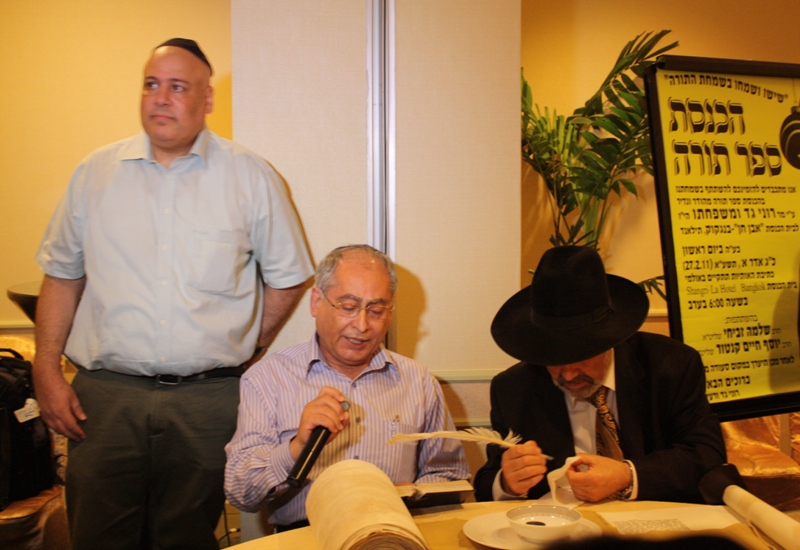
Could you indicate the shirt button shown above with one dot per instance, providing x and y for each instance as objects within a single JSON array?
[
  {"x": 166, "y": 211},
  {"x": 356, "y": 457},
  {"x": 358, "y": 420},
  {"x": 162, "y": 322},
  {"x": 163, "y": 247}
]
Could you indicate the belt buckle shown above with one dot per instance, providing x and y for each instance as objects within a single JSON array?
[{"x": 168, "y": 379}]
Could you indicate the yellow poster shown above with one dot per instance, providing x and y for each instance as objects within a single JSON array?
[{"x": 731, "y": 157}]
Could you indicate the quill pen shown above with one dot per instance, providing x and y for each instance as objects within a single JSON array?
[{"x": 479, "y": 435}]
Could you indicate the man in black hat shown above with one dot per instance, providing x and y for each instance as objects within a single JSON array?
[
  {"x": 631, "y": 405},
  {"x": 174, "y": 256}
]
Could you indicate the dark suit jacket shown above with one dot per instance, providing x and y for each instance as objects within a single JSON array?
[{"x": 667, "y": 428}]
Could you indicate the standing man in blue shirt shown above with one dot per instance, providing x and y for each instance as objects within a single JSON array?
[{"x": 173, "y": 256}]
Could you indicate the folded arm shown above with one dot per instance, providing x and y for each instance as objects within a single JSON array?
[
  {"x": 518, "y": 472},
  {"x": 259, "y": 457},
  {"x": 258, "y": 461}
]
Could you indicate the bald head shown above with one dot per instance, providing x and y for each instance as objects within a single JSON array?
[{"x": 176, "y": 97}]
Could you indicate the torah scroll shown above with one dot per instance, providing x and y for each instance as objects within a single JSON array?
[
  {"x": 353, "y": 505},
  {"x": 775, "y": 524}
]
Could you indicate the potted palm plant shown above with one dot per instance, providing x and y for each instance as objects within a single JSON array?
[{"x": 595, "y": 152}]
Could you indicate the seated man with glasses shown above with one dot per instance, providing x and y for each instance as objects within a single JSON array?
[{"x": 288, "y": 394}]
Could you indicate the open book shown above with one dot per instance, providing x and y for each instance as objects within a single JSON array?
[
  {"x": 423, "y": 489},
  {"x": 353, "y": 505}
]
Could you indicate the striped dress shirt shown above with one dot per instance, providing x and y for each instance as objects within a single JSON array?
[{"x": 393, "y": 394}]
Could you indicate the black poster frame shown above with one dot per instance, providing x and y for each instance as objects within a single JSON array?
[{"x": 737, "y": 408}]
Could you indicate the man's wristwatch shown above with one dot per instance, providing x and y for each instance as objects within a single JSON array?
[{"x": 626, "y": 493}]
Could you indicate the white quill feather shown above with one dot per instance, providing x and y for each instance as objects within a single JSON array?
[{"x": 479, "y": 435}]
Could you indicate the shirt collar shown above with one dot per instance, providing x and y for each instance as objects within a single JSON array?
[
  {"x": 200, "y": 145},
  {"x": 139, "y": 147},
  {"x": 382, "y": 360},
  {"x": 610, "y": 380}
]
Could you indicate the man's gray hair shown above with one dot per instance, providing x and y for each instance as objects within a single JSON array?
[{"x": 323, "y": 278}]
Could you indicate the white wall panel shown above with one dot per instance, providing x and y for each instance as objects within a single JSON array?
[
  {"x": 458, "y": 178},
  {"x": 299, "y": 100}
]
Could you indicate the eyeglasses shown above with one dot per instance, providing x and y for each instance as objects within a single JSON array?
[{"x": 350, "y": 309}]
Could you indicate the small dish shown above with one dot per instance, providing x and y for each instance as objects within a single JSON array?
[
  {"x": 541, "y": 523},
  {"x": 493, "y": 530}
]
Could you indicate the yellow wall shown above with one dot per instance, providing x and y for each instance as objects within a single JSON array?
[
  {"x": 569, "y": 46},
  {"x": 71, "y": 77},
  {"x": 70, "y": 81}
]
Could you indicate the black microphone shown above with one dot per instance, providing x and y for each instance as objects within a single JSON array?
[{"x": 310, "y": 453}]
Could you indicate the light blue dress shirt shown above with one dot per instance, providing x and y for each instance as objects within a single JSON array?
[{"x": 172, "y": 256}]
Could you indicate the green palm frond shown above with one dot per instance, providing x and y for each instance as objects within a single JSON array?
[
  {"x": 656, "y": 284},
  {"x": 585, "y": 157}
]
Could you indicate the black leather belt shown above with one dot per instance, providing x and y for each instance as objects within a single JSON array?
[{"x": 222, "y": 372}]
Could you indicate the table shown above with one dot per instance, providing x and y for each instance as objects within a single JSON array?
[
  {"x": 441, "y": 526},
  {"x": 25, "y": 296}
]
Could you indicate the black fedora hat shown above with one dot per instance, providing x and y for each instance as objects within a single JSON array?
[{"x": 572, "y": 310}]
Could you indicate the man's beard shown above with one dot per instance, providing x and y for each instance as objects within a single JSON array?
[{"x": 583, "y": 393}]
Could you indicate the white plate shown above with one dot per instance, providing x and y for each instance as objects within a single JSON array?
[{"x": 492, "y": 530}]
